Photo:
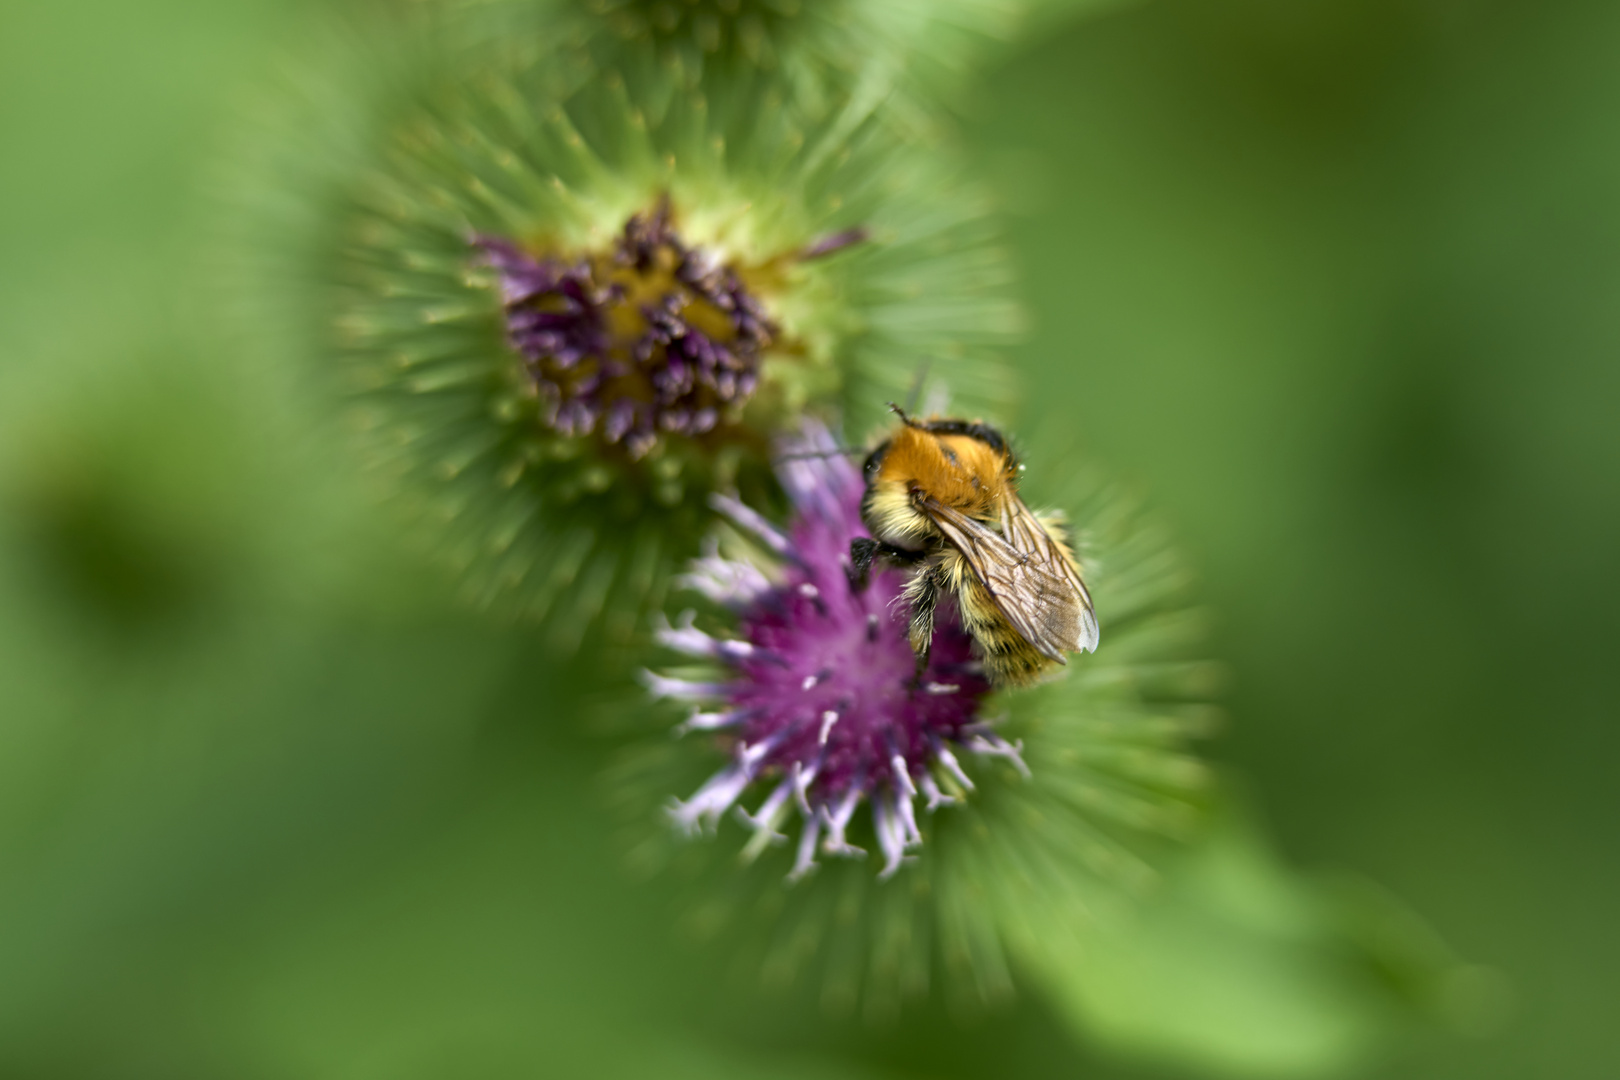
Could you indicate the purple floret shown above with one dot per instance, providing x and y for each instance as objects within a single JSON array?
[
  {"x": 822, "y": 698},
  {"x": 685, "y": 352}
]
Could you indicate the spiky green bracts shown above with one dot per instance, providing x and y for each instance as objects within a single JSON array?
[{"x": 573, "y": 302}]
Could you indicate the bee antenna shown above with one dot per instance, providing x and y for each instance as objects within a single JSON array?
[{"x": 901, "y": 413}]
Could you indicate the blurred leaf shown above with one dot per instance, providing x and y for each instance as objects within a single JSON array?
[{"x": 1238, "y": 966}]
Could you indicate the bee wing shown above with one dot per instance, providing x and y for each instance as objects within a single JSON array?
[
  {"x": 1026, "y": 532},
  {"x": 1027, "y": 574}
]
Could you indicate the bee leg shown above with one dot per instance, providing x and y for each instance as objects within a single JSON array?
[
  {"x": 864, "y": 552},
  {"x": 923, "y": 591}
]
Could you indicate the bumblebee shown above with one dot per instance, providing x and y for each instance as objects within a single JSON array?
[{"x": 942, "y": 499}]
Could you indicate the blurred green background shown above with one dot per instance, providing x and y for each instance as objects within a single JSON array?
[{"x": 1337, "y": 283}]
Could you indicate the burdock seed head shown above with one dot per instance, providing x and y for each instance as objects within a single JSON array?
[
  {"x": 873, "y": 821},
  {"x": 568, "y": 303},
  {"x": 647, "y": 337}
]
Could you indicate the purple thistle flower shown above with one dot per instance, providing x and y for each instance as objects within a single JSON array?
[
  {"x": 820, "y": 699},
  {"x": 651, "y": 337}
]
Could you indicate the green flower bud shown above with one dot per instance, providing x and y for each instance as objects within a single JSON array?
[{"x": 918, "y": 55}]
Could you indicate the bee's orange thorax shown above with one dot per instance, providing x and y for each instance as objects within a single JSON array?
[{"x": 958, "y": 470}]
